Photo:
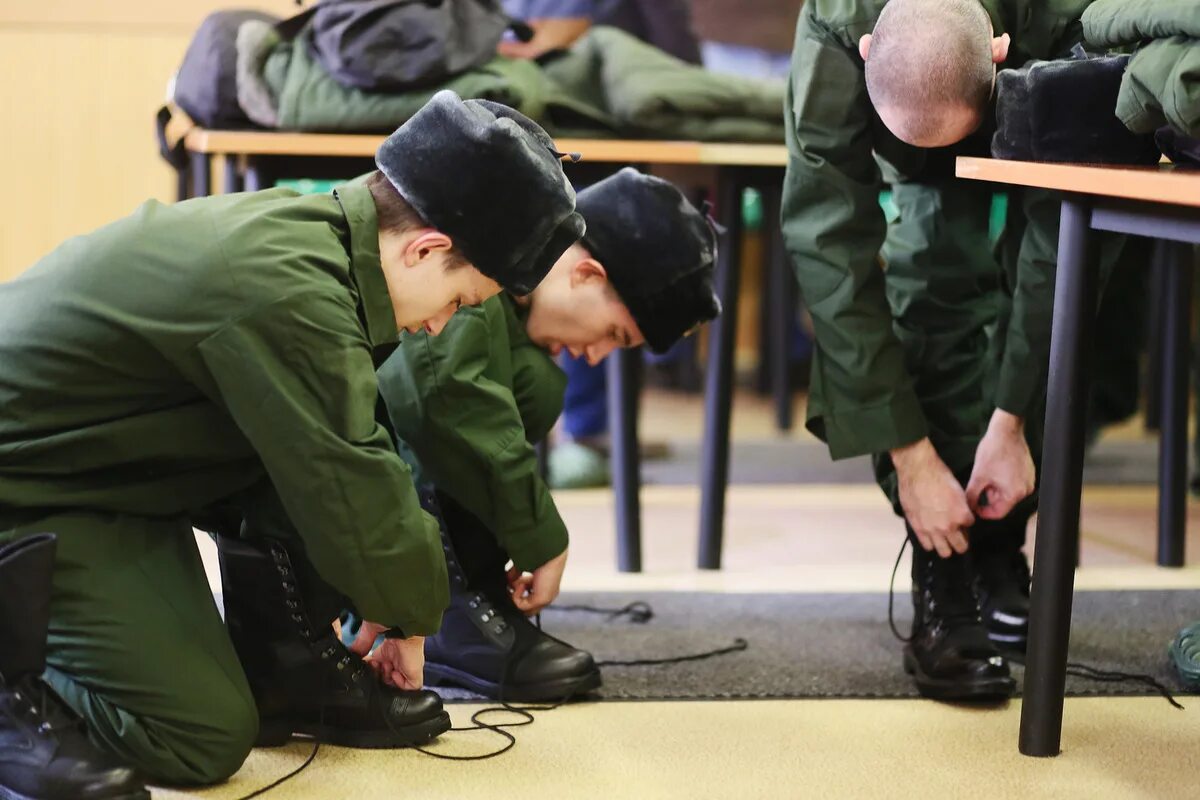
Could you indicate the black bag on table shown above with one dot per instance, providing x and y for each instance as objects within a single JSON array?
[{"x": 206, "y": 84}]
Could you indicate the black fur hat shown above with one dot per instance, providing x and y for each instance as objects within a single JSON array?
[
  {"x": 1066, "y": 111},
  {"x": 489, "y": 178},
  {"x": 658, "y": 251}
]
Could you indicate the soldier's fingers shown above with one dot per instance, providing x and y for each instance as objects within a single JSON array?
[
  {"x": 942, "y": 546},
  {"x": 923, "y": 539},
  {"x": 958, "y": 542}
]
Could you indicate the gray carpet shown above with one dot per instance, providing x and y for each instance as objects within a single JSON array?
[
  {"x": 807, "y": 461},
  {"x": 834, "y": 645}
]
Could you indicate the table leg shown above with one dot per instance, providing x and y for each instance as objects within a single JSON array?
[
  {"x": 254, "y": 175},
  {"x": 718, "y": 382},
  {"x": 623, "y": 406},
  {"x": 201, "y": 175},
  {"x": 1174, "y": 259},
  {"x": 233, "y": 177},
  {"x": 1154, "y": 342},
  {"x": 1062, "y": 480}
]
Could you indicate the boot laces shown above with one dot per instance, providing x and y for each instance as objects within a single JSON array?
[
  {"x": 950, "y": 593},
  {"x": 481, "y": 605},
  {"x": 40, "y": 703}
]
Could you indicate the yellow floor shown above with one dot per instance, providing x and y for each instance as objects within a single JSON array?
[{"x": 1114, "y": 748}]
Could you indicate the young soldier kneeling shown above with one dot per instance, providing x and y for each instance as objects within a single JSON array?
[
  {"x": 213, "y": 362},
  {"x": 472, "y": 402}
]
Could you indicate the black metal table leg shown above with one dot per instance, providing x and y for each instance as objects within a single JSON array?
[
  {"x": 254, "y": 175},
  {"x": 622, "y": 409},
  {"x": 233, "y": 178},
  {"x": 1154, "y": 342},
  {"x": 718, "y": 382},
  {"x": 782, "y": 309},
  {"x": 1174, "y": 259},
  {"x": 201, "y": 175},
  {"x": 1062, "y": 481}
]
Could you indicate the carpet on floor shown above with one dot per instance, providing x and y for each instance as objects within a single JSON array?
[{"x": 834, "y": 645}]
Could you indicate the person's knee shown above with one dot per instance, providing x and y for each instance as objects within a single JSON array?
[
  {"x": 222, "y": 748},
  {"x": 201, "y": 753}
]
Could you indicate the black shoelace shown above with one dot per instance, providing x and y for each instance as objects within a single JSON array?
[
  {"x": 1076, "y": 669},
  {"x": 638, "y": 612}
]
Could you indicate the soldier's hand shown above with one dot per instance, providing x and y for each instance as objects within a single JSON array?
[
  {"x": 1003, "y": 469},
  {"x": 934, "y": 503},
  {"x": 531, "y": 592},
  {"x": 400, "y": 663}
]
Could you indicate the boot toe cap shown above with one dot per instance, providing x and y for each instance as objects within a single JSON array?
[
  {"x": 552, "y": 661},
  {"x": 410, "y": 707}
]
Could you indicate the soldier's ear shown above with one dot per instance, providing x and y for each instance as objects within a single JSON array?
[
  {"x": 864, "y": 45},
  {"x": 587, "y": 270},
  {"x": 425, "y": 244},
  {"x": 1000, "y": 48}
]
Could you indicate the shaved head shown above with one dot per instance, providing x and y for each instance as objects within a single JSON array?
[{"x": 930, "y": 68}]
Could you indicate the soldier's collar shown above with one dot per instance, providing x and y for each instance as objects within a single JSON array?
[{"x": 365, "y": 268}]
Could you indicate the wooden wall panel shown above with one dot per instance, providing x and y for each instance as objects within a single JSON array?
[{"x": 81, "y": 82}]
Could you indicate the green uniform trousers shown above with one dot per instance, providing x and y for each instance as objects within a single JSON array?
[
  {"x": 952, "y": 295},
  {"x": 137, "y": 647}
]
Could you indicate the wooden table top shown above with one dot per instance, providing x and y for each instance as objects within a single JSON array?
[
  {"x": 1162, "y": 183},
  {"x": 633, "y": 151}
]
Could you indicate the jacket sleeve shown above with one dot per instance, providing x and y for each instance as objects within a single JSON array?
[
  {"x": 297, "y": 378},
  {"x": 864, "y": 401},
  {"x": 466, "y": 429}
]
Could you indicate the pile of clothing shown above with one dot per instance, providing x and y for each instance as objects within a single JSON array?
[
  {"x": 608, "y": 84},
  {"x": 1129, "y": 106},
  {"x": 1160, "y": 90}
]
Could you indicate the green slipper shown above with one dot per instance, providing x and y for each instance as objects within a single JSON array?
[
  {"x": 576, "y": 466},
  {"x": 1185, "y": 653}
]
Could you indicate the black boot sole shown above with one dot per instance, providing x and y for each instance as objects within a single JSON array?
[
  {"x": 277, "y": 734},
  {"x": 990, "y": 689},
  {"x": 141, "y": 794},
  {"x": 544, "y": 692}
]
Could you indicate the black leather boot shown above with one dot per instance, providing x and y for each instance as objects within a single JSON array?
[
  {"x": 45, "y": 753},
  {"x": 303, "y": 679},
  {"x": 950, "y": 656},
  {"x": 1002, "y": 580},
  {"x": 486, "y": 644}
]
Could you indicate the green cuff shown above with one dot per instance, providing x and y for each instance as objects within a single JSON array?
[
  {"x": 1019, "y": 392},
  {"x": 874, "y": 429},
  {"x": 530, "y": 549}
]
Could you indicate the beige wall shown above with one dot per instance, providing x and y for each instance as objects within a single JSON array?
[{"x": 79, "y": 84}]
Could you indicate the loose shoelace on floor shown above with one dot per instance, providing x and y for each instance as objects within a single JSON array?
[
  {"x": 1073, "y": 668},
  {"x": 638, "y": 612}
]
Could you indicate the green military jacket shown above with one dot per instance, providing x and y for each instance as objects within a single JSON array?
[
  {"x": 862, "y": 398},
  {"x": 1162, "y": 83},
  {"x": 469, "y": 403},
  {"x": 173, "y": 358}
]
